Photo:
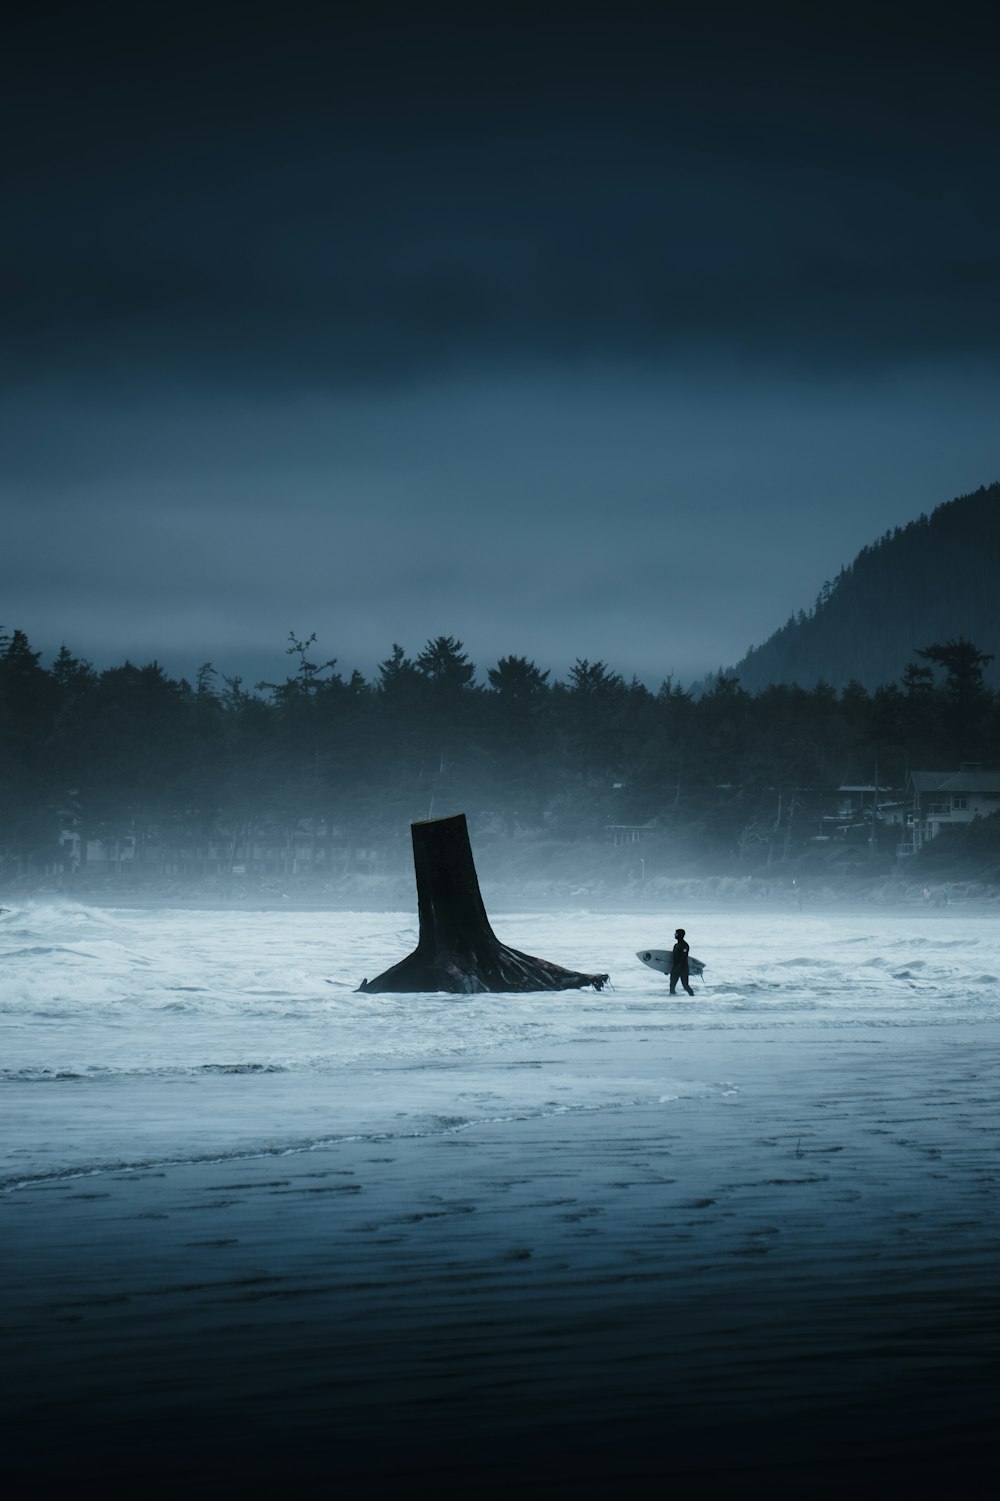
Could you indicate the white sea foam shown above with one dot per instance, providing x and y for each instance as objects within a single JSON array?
[{"x": 133, "y": 1037}]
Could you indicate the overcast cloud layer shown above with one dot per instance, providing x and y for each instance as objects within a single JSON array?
[{"x": 605, "y": 333}]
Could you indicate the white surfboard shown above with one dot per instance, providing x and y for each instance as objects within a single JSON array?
[{"x": 661, "y": 960}]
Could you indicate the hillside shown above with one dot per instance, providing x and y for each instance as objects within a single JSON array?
[{"x": 929, "y": 581}]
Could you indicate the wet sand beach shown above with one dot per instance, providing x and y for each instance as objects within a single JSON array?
[{"x": 787, "y": 1287}]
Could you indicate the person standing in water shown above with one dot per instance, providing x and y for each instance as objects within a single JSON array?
[{"x": 679, "y": 964}]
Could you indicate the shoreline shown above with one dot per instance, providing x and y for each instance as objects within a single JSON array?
[
  {"x": 570, "y": 1245},
  {"x": 500, "y": 903}
]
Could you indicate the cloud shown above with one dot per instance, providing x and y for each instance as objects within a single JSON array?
[
  {"x": 663, "y": 525},
  {"x": 225, "y": 198},
  {"x": 610, "y": 339},
  {"x": 371, "y": 271}
]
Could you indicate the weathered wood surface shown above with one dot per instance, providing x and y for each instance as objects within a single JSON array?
[{"x": 457, "y": 950}]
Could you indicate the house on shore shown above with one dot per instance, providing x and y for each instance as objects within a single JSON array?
[
  {"x": 859, "y": 811},
  {"x": 945, "y": 800}
]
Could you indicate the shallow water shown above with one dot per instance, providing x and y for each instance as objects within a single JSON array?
[{"x": 134, "y": 1037}]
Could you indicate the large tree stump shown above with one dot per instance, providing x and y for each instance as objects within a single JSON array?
[{"x": 457, "y": 949}]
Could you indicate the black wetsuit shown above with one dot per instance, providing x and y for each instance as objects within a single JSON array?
[{"x": 679, "y": 967}]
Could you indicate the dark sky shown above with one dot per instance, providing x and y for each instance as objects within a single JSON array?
[{"x": 570, "y": 331}]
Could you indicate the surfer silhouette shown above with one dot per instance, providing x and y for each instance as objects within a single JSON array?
[{"x": 679, "y": 964}]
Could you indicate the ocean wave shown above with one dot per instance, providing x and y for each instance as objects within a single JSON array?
[
  {"x": 241, "y": 1068},
  {"x": 410, "y": 1129},
  {"x": 806, "y": 964},
  {"x": 154, "y": 1028},
  {"x": 935, "y": 943},
  {"x": 43, "y": 951},
  {"x": 94, "y": 1073}
]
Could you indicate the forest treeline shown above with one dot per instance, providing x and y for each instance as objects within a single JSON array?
[
  {"x": 195, "y": 773},
  {"x": 932, "y": 579}
]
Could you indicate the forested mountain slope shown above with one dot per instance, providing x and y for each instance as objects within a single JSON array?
[{"x": 936, "y": 579}]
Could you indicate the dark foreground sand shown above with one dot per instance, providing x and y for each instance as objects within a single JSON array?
[{"x": 705, "y": 1300}]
